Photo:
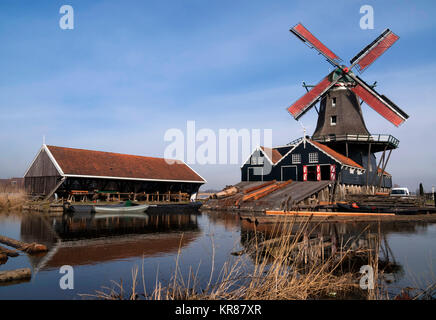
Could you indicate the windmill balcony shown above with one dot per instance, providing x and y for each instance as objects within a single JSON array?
[{"x": 385, "y": 139}]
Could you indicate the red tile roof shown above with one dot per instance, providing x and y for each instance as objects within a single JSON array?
[
  {"x": 384, "y": 172},
  {"x": 340, "y": 157},
  {"x": 272, "y": 153},
  {"x": 107, "y": 164}
]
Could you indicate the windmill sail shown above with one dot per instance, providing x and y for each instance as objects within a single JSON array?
[
  {"x": 374, "y": 50},
  {"x": 302, "y": 105},
  {"x": 379, "y": 103},
  {"x": 304, "y": 35}
]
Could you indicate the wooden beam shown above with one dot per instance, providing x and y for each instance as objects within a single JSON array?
[
  {"x": 368, "y": 163},
  {"x": 324, "y": 214},
  {"x": 384, "y": 167},
  {"x": 382, "y": 158},
  {"x": 260, "y": 186}
]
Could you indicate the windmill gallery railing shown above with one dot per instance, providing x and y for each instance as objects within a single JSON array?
[
  {"x": 381, "y": 138},
  {"x": 375, "y": 138}
]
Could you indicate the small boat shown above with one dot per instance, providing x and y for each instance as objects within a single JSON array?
[
  {"x": 127, "y": 207},
  {"x": 356, "y": 207}
]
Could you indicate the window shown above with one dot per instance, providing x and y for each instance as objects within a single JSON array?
[
  {"x": 333, "y": 102},
  {"x": 256, "y": 160},
  {"x": 313, "y": 157},
  {"x": 296, "y": 158},
  {"x": 333, "y": 120}
]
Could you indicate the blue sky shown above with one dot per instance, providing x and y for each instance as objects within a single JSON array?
[{"x": 130, "y": 70}]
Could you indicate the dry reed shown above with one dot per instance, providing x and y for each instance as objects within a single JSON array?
[
  {"x": 12, "y": 200},
  {"x": 284, "y": 268}
]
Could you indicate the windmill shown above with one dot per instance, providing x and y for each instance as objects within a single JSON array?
[{"x": 340, "y": 121}]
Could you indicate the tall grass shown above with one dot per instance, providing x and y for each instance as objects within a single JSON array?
[
  {"x": 12, "y": 199},
  {"x": 288, "y": 266}
]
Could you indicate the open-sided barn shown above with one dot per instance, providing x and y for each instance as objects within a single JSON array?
[{"x": 61, "y": 170}]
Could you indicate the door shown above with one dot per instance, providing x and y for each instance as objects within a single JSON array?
[
  {"x": 289, "y": 172},
  {"x": 254, "y": 174}
]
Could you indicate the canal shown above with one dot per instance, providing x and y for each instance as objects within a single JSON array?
[{"x": 102, "y": 249}]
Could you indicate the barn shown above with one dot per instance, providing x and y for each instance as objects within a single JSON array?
[
  {"x": 67, "y": 171},
  {"x": 308, "y": 160}
]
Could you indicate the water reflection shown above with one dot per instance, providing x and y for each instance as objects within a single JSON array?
[
  {"x": 97, "y": 238},
  {"x": 358, "y": 242},
  {"x": 107, "y": 246}
]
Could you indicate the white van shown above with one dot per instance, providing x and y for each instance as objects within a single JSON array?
[{"x": 400, "y": 192}]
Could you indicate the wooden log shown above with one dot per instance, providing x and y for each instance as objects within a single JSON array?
[
  {"x": 14, "y": 275},
  {"x": 9, "y": 253},
  {"x": 326, "y": 214},
  {"x": 264, "y": 193},
  {"x": 260, "y": 186},
  {"x": 3, "y": 258},
  {"x": 226, "y": 193},
  {"x": 22, "y": 246}
]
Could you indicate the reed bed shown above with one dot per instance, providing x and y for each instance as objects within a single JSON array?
[
  {"x": 281, "y": 268},
  {"x": 12, "y": 200}
]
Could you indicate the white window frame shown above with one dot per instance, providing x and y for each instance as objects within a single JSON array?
[
  {"x": 313, "y": 157},
  {"x": 260, "y": 160},
  {"x": 253, "y": 160},
  {"x": 331, "y": 120},
  {"x": 334, "y": 102},
  {"x": 294, "y": 158}
]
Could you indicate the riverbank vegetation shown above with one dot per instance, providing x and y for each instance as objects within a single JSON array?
[
  {"x": 291, "y": 264},
  {"x": 13, "y": 199}
]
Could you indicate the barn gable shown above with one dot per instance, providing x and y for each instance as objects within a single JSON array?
[{"x": 43, "y": 174}]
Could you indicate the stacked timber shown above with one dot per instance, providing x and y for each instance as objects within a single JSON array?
[{"x": 257, "y": 197}]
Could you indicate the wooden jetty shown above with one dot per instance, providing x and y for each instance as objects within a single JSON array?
[{"x": 265, "y": 201}]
